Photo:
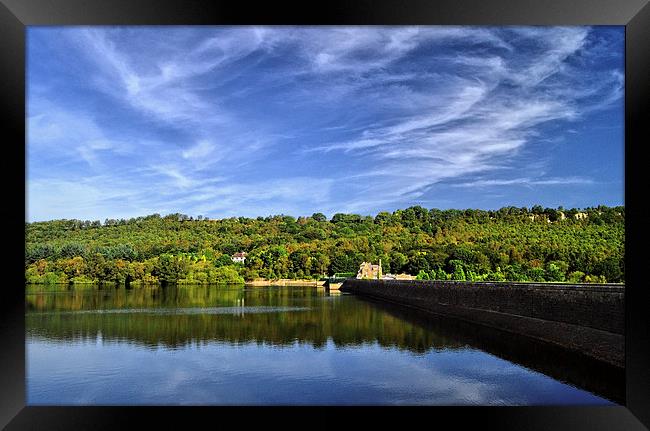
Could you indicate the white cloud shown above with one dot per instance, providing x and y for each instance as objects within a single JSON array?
[
  {"x": 200, "y": 150},
  {"x": 161, "y": 94},
  {"x": 66, "y": 134},
  {"x": 557, "y": 43},
  {"x": 552, "y": 181}
]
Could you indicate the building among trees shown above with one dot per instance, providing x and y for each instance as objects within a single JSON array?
[
  {"x": 368, "y": 270},
  {"x": 239, "y": 257}
]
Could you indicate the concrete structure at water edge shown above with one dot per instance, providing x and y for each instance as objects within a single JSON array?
[{"x": 588, "y": 319}]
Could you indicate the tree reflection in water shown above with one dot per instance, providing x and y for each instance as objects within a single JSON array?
[{"x": 176, "y": 317}]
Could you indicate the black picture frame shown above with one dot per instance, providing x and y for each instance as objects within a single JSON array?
[{"x": 15, "y": 15}]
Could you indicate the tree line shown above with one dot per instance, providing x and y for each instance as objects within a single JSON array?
[{"x": 512, "y": 243}]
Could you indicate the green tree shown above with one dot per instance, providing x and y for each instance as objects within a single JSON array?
[
  {"x": 457, "y": 270},
  {"x": 319, "y": 217}
]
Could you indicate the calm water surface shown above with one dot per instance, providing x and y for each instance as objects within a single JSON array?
[{"x": 275, "y": 345}]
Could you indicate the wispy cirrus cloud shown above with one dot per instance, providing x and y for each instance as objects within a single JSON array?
[
  {"x": 303, "y": 119},
  {"x": 491, "y": 108},
  {"x": 525, "y": 182}
]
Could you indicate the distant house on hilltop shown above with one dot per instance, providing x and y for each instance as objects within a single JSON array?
[
  {"x": 239, "y": 257},
  {"x": 368, "y": 270}
]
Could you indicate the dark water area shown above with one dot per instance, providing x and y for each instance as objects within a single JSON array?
[{"x": 283, "y": 346}]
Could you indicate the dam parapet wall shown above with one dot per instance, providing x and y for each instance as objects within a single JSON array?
[{"x": 587, "y": 318}]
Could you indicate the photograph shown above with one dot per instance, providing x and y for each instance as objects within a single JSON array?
[{"x": 325, "y": 215}]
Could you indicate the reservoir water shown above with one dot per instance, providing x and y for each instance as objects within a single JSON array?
[{"x": 222, "y": 345}]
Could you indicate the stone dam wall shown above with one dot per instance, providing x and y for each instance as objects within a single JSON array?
[{"x": 589, "y": 319}]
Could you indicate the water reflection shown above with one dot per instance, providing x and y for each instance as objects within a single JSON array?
[
  {"x": 160, "y": 316},
  {"x": 261, "y": 346},
  {"x": 601, "y": 378}
]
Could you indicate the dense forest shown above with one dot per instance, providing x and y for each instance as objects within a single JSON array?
[{"x": 518, "y": 244}]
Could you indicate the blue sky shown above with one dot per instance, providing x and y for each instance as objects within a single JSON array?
[{"x": 248, "y": 121}]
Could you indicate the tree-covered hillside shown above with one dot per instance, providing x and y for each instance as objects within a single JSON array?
[{"x": 519, "y": 244}]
